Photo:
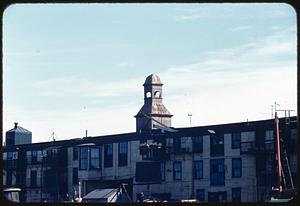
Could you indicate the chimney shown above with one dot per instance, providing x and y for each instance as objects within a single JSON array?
[{"x": 16, "y": 125}]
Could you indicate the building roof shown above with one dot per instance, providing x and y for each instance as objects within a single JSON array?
[
  {"x": 152, "y": 79},
  {"x": 101, "y": 193},
  {"x": 186, "y": 131},
  {"x": 18, "y": 129},
  {"x": 155, "y": 109}
]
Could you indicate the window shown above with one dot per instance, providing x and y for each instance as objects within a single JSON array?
[
  {"x": 269, "y": 135},
  {"x": 75, "y": 153},
  {"x": 39, "y": 156},
  {"x": 95, "y": 161},
  {"x": 162, "y": 171},
  {"x": 216, "y": 145},
  {"x": 157, "y": 94},
  {"x": 236, "y": 140},
  {"x": 148, "y": 171},
  {"x": 236, "y": 167},
  {"x": 217, "y": 172},
  {"x": 200, "y": 195},
  {"x": 4, "y": 156},
  {"x": 123, "y": 154},
  {"x": 33, "y": 157},
  {"x": 83, "y": 161},
  {"x": 217, "y": 196},
  {"x": 8, "y": 178},
  {"x": 108, "y": 155},
  {"x": 75, "y": 176},
  {"x": 198, "y": 144},
  {"x": 28, "y": 157},
  {"x": 177, "y": 170},
  {"x": 177, "y": 145},
  {"x": 236, "y": 194},
  {"x": 142, "y": 141},
  {"x": 198, "y": 169},
  {"x": 148, "y": 94},
  {"x": 33, "y": 178},
  {"x": 9, "y": 155}
]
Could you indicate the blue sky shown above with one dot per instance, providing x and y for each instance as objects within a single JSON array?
[{"x": 71, "y": 67}]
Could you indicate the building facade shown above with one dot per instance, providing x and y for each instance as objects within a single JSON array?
[{"x": 227, "y": 162}]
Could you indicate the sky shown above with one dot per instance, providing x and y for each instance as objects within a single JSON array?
[{"x": 68, "y": 68}]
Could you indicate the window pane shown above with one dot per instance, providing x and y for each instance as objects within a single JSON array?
[
  {"x": 236, "y": 167},
  {"x": 95, "y": 158},
  {"x": 83, "y": 158},
  {"x": 198, "y": 144},
  {"x": 236, "y": 194},
  {"x": 108, "y": 155},
  {"x": 177, "y": 170},
  {"x": 200, "y": 194},
  {"x": 198, "y": 169},
  {"x": 235, "y": 140}
]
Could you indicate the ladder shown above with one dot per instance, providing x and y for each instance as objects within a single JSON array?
[{"x": 285, "y": 169}]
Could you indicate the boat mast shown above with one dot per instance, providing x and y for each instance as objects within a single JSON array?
[{"x": 278, "y": 157}]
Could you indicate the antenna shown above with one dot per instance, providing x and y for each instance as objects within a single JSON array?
[
  {"x": 52, "y": 137},
  {"x": 190, "y": 116}
]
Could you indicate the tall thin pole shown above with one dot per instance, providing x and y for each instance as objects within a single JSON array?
[{"x": 279, "y": 168}]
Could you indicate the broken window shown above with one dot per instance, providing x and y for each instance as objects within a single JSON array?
[{"x": 216, "y": 145}]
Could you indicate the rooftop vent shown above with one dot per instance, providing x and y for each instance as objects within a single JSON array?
[{"x": 16, "y": 125}]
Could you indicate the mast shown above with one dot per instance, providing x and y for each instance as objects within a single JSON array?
[{"x": 278, "y": 157}]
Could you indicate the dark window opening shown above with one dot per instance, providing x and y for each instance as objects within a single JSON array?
[
  {"x": 177, "y": 145},
  {"x": 198, "y": 169},
  {"x": 200, "y": 195},
  {"x": 177, "y": 171},
  {"x": 236, "y": 140},
  {"x": 108, "y": 155},
  {"x": 217, "y": 172},
  {"x": 217, "y": 145},
  {"x": 123, "y": 153},
  {"x": 75, "y": 153},
  {"x": 33, "y": 178},
  {"x": 162, "y": 171},
  {"x": 198, "y": 144},
  {"x": 217, "y": 196},
  {"x": 75, "y": 176},
  {"x": 148, "y": 172},
  {"x": 8, "y": 178},
  {"x": 236, "y": 194},
  {"x": 236, "y": 167}
]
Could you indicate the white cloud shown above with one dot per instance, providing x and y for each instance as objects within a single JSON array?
[{"x": 240, "y": 28}]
